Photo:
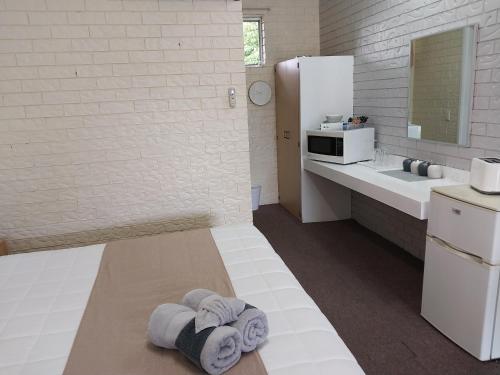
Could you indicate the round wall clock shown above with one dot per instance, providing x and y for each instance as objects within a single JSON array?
[{"x": 260, "y": 93}]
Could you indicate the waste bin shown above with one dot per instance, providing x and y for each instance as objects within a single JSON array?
[{"x": 256, "y": 197}]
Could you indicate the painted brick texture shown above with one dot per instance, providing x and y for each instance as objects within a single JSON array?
[
  {"x": 404, "y": 230},
  {"x": 114, "y": 119},
  {"x": 291, "y": 29},
  {"x": 378, "y": 33}
]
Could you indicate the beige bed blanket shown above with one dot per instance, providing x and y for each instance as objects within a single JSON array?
[{"x": 134, "y": 277}]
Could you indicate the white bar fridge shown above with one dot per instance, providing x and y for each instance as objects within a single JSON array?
[{"x": 462, "y": 274}]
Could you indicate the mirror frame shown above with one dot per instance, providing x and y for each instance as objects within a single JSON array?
[{"x": 467, "y": 86}]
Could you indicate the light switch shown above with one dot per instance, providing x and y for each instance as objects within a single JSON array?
[{"x": 232, "y": 97}]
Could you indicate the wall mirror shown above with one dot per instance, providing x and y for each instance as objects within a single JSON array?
[{"x": 442, "y": 85}]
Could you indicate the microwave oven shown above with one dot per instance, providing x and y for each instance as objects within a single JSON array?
[{"x": 341, "y": 146}]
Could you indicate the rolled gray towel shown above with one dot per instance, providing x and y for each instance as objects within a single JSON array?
[
  {"x": 251, "y": 322},
  {"x": 253, "y": 327},
  {"x": 214, "y": 350},
  {"x": 212, "y": 310}
]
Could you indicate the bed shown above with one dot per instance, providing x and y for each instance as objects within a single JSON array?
[{"x": 43, "y": 296}]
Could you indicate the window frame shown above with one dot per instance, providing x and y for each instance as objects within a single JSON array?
[{"x": 260, "y": 21}]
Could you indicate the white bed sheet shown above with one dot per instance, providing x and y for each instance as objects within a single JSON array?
[{"x": 43, "y": 296}]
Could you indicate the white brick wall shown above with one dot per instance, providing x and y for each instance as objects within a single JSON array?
[
  {"x": 291, "y": 29},
  {"x": 378, "y": 32},
  {"x": 114, "y": 119},
  {"x": 404, "y": 230}
]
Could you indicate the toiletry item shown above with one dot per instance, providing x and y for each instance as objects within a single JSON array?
[
  {"x": 407, "y": 164},
  {"x": 414, "y": 166},
  {"x": 423, "y": 167},
  {"x": 351, "y": 126},
  {"x": 435, "y": 171}
]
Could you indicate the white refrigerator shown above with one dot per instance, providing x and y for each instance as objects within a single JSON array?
[{"x": 460, "y": 294}]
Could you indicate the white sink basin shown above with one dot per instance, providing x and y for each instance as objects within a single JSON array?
[{"x": 404, "y": 176}]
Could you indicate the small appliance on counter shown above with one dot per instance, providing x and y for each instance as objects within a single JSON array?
[
  {"x": 342, "y": 146},
  {"x": 485, "y": 175},
  {"x": 331, "y": 126},
  {"x": 332, "y": 122}
]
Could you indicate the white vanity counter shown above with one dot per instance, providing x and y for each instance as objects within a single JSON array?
[{"x": 409, "y": 197}]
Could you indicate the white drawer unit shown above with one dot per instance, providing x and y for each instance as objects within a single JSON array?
[
  {"x": 467, "y": 227},
  {"x": 460, "y": 295}
]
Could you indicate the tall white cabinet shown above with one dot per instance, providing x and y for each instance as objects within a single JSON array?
[{"x": 308, "y": 88}]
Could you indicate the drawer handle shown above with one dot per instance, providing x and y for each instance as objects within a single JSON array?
[{"x": 456, "y": 211}]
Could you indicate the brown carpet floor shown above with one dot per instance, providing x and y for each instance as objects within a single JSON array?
[{"x": 370, "y": 290}]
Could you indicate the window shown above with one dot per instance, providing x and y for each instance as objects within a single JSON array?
[{"x": 253, "y": 39}]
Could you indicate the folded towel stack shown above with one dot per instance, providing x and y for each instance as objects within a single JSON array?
[
  {"x": 210, "y": 330},
  {"x": 214, "y": 310}
]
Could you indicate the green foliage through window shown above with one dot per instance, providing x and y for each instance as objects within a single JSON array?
[{"x": 252, "y": 39}]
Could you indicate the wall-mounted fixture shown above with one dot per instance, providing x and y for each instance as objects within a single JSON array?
[
  {"x": 260, "y": 93},
  {"x": 441, "y": 86},
  {"x": 231, "y": 92}
]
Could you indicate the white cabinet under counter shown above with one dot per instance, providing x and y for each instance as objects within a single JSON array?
[{"x": 411, "y": 198}]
